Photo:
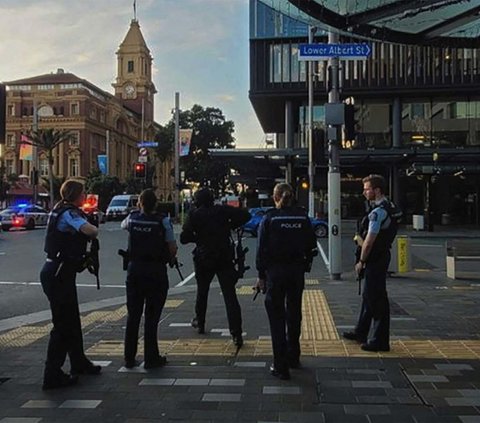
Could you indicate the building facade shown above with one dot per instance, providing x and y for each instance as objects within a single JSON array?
[
  {"x": 417, "y": 113},
  {"x": 100, "y": 122}
]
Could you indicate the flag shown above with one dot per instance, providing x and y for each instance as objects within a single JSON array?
[
  {"x": 185, "y": 138},
  {"x": 102, "y": 163},
  {"x": 26, "y": 148}
]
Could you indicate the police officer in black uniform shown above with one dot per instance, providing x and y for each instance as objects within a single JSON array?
[
  {"x": 151, "y": 245},
  {"x": 286, "y": 246},
  {"x": 377, "y": 232},
  {"x": 209, "y": 227},
  {"x": 68, "y": 233}
]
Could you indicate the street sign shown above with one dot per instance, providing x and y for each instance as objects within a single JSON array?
[
  {"x": 147, "y": 144},
  {"x": 343, "y": 51},
  {"x": 142, "y": 159},
  {"x": 143, "y": 151}
]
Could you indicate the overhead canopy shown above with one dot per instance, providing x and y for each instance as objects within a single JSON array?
[{"x": 446, "y": 23}]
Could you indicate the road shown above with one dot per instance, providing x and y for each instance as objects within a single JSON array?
[{"x": 22, "y": 256}]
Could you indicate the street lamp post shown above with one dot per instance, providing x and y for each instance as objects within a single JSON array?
[{"x": 177, "y": 155}]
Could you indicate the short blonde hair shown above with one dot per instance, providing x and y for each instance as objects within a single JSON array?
[{"x": 71, "y": 189}]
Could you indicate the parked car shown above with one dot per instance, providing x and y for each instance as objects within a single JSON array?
[
  {"x": 23, "y": 216},
  {"x": 121, "y": 205},
  {"x": 319, "y": 226}
]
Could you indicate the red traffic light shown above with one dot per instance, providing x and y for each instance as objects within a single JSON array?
[{"x": 140, "y": 170}]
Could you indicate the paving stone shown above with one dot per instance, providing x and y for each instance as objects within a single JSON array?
[
  {"x": 465, "y": 401},
  {"x": 41, "y": 404},
  {"x": 21, "y": 420},
  {"x": 192, "y": 382},
  {"x": 227, "y": 382},
  {"x": 370, "y": 384},
  {"x": 250, "y": 364},
  {"x": 80, "y": 404},
  {"x": 428, "y": 378},
  {"x": 222, "y": 397},
  {"x": 469, "y": 392},
  {"x": 282, "y": 390},
  {"x": 367, "y": 409},
  {"x": 157, "y": 382},
  {"x": 449, "y": 366},
  {"x": 469, "y": 419}
]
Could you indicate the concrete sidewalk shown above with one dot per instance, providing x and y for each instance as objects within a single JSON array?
[{"x": 432, "y": 373}]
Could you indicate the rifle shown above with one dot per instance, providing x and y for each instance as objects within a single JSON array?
[
  {"x": 240, "y": 254},
  {"x": 174, "y": 263},
  {"x": 93, "y": 261}
]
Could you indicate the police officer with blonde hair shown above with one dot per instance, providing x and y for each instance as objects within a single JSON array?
[
  {"x": 286, "y": 246},
  {"x": 68, "y": 232}
]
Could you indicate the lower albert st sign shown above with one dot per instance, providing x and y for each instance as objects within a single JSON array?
[{"x": 325, "y": 51}]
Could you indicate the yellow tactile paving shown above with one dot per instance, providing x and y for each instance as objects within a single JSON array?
[
  {"x": 24, "y": 335},
  {"x": 468, "y": 349},
  {"x": 317, "y": 322},
  {"x": 245, "y": 290},
  {"x": 312, "y": 282}
]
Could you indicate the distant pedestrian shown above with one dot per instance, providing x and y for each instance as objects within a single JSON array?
[
  {"x": 209, "y": 226},
  {"x": 286, "y": 247},
  {"x": 377, "y": 232},
  {"x": 68, "y": 233},
  {"x": 151, "y": 245}
]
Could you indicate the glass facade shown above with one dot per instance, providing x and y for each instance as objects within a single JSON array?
[{"x": 266, "y": 22}]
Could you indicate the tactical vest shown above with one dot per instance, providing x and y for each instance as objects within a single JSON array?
[
  {"x": 146, "y": 240},
  {"x": 388, "y": 229},
  {"x": 64, "y": 245},
  {"x": 288, "y": 233}
]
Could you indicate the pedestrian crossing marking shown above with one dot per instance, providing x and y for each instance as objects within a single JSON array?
[
  {"x": 317, "y": 321},
  {"x": 173, "y": 303}
]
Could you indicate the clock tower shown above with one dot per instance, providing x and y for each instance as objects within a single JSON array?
[{"x": 134, "y": 73}]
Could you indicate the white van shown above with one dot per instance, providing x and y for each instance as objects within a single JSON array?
[{"x": 121, "y": 205}]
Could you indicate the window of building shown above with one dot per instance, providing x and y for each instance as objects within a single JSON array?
[
  {"x": 62, "y": 110},
  {"x": 93, "y": 113},
  {"x": 45, "y": 87},
  {"x": 43, "y": 164},
  {"x": 102, "y": 116},
  {"x": 25, "y": 111},
  {"x": 130, "y": 67},
  {"x": 74, "y": 167},
  {"x": 9, "y": 166},
  {"x": 11, "y": 110},
  {"x": 75, "y": 139},
  {"x": 74, "y": 108},
  {"x": 10, "y": 140}
]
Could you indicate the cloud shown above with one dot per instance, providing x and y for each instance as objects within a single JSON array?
[{"x": 200, "y": 48}]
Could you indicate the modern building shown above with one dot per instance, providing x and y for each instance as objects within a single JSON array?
[
  {"x": 100, "y": 122},
  {"x": 417, "y": 107}
]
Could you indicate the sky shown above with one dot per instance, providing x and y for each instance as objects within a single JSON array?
[{"x": 200, "y": 49}]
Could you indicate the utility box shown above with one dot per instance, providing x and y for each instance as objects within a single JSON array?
[
  {"x": 401, "y": 260},
  {"x": 418, "y": 222}
]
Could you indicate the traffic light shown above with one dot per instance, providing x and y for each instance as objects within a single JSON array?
[
  {"x": 304, "y": 183},
  {"x": 140, "y": 170}
]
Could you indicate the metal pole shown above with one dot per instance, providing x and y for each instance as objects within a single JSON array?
[
  {"x": 35, "y": 155},
  {"x": 107, "y": 151},
  {"x": 334, "y": 193},
  {"x": 311, "y": 165},
  {"x": 143, "y": 120},
  {"x": 177, "y": 158}
]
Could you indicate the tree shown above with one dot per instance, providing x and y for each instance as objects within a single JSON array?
[
  {"x": 104, "y": 186},
  {"x": 55, "y": 188},
  {"x": 47, "y": 140},
  {"x": 210, "y": 130}
]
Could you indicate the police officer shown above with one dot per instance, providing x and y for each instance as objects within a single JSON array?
[
  {"x": 151, "y": 245},
  {"x": 209, "y": 227},
  {"x": 68, "y": 233},
  {"x": 286, "y": 246},
  {"x": 377, "y": 232}
]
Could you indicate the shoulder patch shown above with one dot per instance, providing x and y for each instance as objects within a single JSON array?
[{"x": 373, "y": 216}]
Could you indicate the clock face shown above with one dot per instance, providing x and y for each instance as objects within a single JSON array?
[{"x": 129, "y": 90}]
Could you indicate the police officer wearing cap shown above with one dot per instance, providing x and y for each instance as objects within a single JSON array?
[
  {"x": 67, "y": 235},
  {"x": 151, "y": 245},
  {"x": 286, "y": 246},
  {"x": 377, "y": 232},
  {"x": 209, "y": 226}
]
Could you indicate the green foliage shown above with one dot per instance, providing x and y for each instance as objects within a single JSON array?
[
  {"x": 210, "y": 130},
  {"x": 57, "y": 183},
  {"x": 104, "y": 186},
  {"x": 133, "y": 185}
]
